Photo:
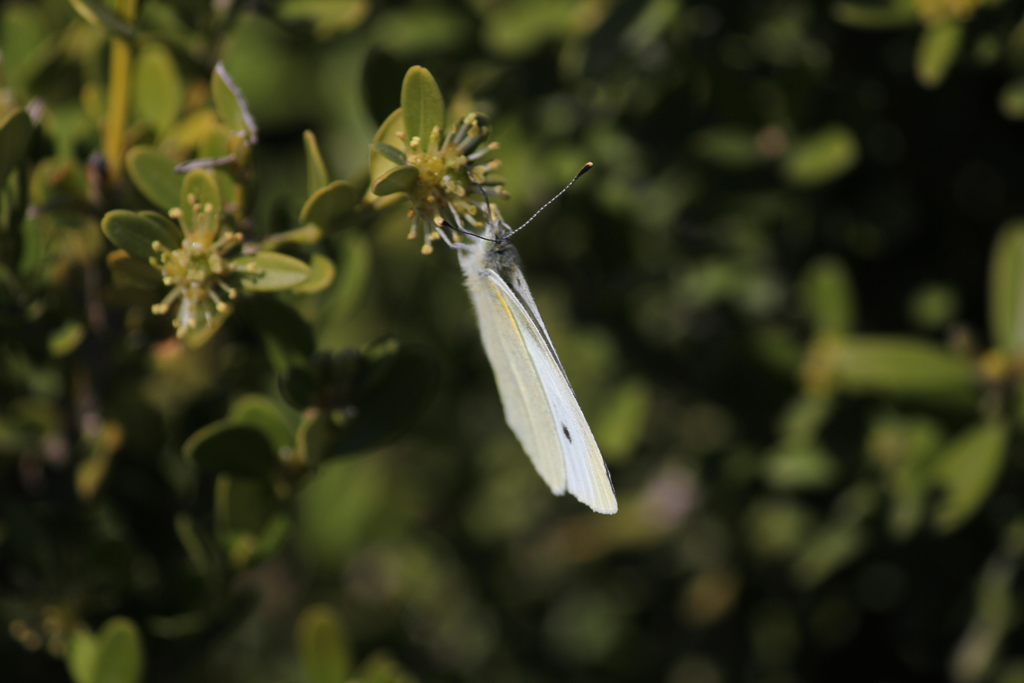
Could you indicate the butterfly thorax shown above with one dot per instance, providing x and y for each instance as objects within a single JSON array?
[{"x": 489, "y": 251}]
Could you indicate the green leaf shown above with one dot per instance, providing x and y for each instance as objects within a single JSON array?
[
  {"x": 381, "y": 667},
  {"x": 269, "y": 271},
  {"x": 91, "y": 471},
  {"x": 390, "y": 153},
  {"x": 165, "y": 224},
  {"x": 828, "y": 295},
  {"x": 120, "y": 654},
  {"x": 1006, "y": 288},
  {"x": 15, "y": 136},
  {"x": 65, "y": 339},
  {"x": 936, "y": 52},
  {"x": 193, "y": 541},
  {"x": 158, "y": 90},
  {"x": 136, "y": 233},
  {"x": 932, "y": 306},
  {"x": 417, "y": 30},
  {"x": 392, "y": 389},
  {"x": 422, "y": 105},
  {"x": 306, "y": 235},
  {"x": 397, "y": 179},
  {"x": 314, "y": 436},
  {"x": 386, "y": 134},
  {"x": 286, "y": 337},
  {"x": 827, "y": 551},
  {"x": 329, "y": 205},
  {"x": 316, "y": 170},
  {"x": 328, "y": 17},
  {"x": 321, "y": 276},
  {"x": 28, "y": 41},
  {"x": 799, "y": 467},
  {"x": 201, "y": 185},
  {"x": 83, "y": 647},
  {"x": 875, "y": 16},
  {"x": 226, "y": 447},
  {"x": 241, "y": 504},
  {"x": 727, "y": 146},
  {"x": 99, "y": 15},
  {"x": 622, "y": 422},
  {"x": 966, "y": 472},
  {"x": 230, "y": 103},
  {"x": 297, "y": 387},
  {"x": 260, "y": 412},
  {"x": 354, "y": 254},
  {"x": 892, "y": 366},
  {"x": 323, "y": 646},
  {"x": 197, "y": 337},
  {"x": 153, "y": 175},
  {"x": 822, "y": 157},
  {"x": 128, "y": 271},
  {"x": 1011, "y": 100}
]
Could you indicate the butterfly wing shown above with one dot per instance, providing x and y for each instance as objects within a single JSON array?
[
  {"x": 520, "y": 387},
  {"x": 586, "y": 475}
]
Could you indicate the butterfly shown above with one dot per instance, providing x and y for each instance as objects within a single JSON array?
[{"x": 539, "y": 403}]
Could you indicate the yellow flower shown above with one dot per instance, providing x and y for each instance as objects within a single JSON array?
[{"x": 197, "y": 270}]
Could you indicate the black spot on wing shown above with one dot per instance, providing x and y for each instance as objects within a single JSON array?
[
  {"x": 610, "y": 482},
  {"x": 565, "y": 430}
]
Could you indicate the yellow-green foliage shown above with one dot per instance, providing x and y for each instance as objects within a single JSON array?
[{"x": 247, "y": 432}]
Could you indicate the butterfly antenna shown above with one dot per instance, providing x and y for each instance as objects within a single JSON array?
[
  {"x": 586, "y": 167},
  {"x": 490, "y": 214},
  {"x": 446, "y": 224}
]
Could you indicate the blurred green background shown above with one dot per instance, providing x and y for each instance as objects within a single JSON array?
[{"x": 790, "y": 298}]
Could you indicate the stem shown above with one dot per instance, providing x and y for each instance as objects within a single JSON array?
[{"x": 118, "y": 87}]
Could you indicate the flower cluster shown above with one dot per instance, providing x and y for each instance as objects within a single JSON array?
[
  {"x": 450, "y": 170},
  {"x": 197, "y": 270}
]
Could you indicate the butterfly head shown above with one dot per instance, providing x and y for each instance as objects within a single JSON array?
[{"x": 496, "y": 231}]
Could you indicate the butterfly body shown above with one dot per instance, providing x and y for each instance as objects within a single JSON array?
[{"x": 539, "y": 404}]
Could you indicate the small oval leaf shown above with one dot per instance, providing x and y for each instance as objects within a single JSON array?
[
  {"x": 1011, "y": 100},
  {"x": 158, "y": 90},
  {"x": 422, "y": 104},
  {"x": 821, "y": 157},
  {"x": 120, "y": 653},
  {"x": 269, "y": 271},
  {"x": 99, "y": 15},
  {"x": 260, "y": 412},
  {"x": 323, "y": 647},
  {"x": 230, "y": 103},
  {"x": 390, "y": 153},
  {"x": 936, "y": 51},
  {"x": 387, "y": 134},
  {"x": 226, "y": 447},
  {"x": 153, "y": 175},
  {"x": 828, "y": 295},
  {"x": 875, "y": 16},
  {"x": 65, "y": 339},
  {"x": 321, "y": 276},
  {"x": 136, "y": 233},
  {"x": 397, "y": 179},
  {"x": 15, "y": 135},
  {"x": 394, "y": 387},
  {"x": 201, "y": 186},
  {"x": 81, "y": 657},
  {"x": 316, "y": 169},
  {"x": 1006, "y": 288},
  {"x": 966, "y": 471},
  {"x": 128, "y": 271},
  {"x": 893, "y": 366},
  {"x": 328, "y": 205}
]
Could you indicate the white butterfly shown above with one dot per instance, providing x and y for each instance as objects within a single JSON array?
[{"x": 539, "y": 402}]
